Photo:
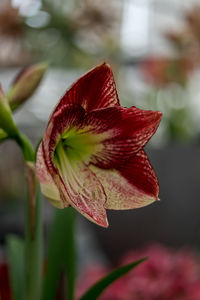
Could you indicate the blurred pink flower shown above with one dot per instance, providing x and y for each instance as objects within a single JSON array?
[
  {"x": 166, "y": 275},
  {"x": 162, "y": 71}
]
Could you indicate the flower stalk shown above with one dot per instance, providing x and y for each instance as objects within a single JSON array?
[
  {"x": 33, "y": 245},
  {"x": 33, "y": 225},
  {"x": 7, "y": 124}
]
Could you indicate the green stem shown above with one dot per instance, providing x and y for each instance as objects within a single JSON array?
[
  {"x": 33, "y": 225},
  {"x": 33, "y": 250},
  {"x": 26, "y": 147},
  {"x": 62, "y": 256}
]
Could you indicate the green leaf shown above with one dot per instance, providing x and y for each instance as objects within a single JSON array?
[
  {"x": 95, "y": 291},
  {"x": 60, "y": 254},
  {"x": 15, "y": 253},
  {"x": 3, "y": 135}
]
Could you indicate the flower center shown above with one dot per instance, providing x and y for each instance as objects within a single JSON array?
[
  {"x": 78, "y": 145},
  {"x": 71, "y": 156}
]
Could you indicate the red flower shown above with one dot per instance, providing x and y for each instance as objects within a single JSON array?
[
  {"x": 166, "y": 275},
  {"x": 91, "y": 156},
  {"x": 162, "y": 71},
  {"x": 5, "y": 289}
]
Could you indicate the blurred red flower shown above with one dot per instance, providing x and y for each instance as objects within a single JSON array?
[
  {"x": 162, "y": 71},
  {"x": 5, "y": 289},
  {"x": 166, "y": 275}
]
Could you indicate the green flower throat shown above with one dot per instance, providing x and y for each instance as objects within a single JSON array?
[{"x": 77, "y": 145}]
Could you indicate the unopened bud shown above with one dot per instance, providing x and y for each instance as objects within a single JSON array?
[{"x": 25, "y": 84}]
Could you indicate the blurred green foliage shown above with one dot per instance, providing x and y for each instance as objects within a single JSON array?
[{"x": 54, "y": 33}]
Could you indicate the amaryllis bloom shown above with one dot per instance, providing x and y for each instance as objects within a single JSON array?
[{"x": 91, "y": 156}]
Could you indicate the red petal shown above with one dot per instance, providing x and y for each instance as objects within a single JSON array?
[
  {"x": 80, "y": 187},
  {"x": 139, "y": 172},
  {"x": 124, "y": 132},
  {"x": 93, "y": 90},
  {"x": 67, "y": 117},
  {"x": 133, "y": 186}
]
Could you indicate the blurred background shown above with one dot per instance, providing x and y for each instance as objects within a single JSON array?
[{"x": 153, "y": 47}]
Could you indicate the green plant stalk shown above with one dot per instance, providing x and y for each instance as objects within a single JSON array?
[
  {"x": 15, "y": 256},
  {"x": 33, "y": 226},
  {"x": 26, "y": 148},
  {"x": 61, "y": 257},
  {"x": 33, "y": 250}
]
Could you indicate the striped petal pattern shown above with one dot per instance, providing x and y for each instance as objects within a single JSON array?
[{"x": 91, "y": 156}]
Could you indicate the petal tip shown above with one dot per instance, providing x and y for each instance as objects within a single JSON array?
[
  {"x": 101, "y": 220},
  {"x": 104, "y": 224},
  {"x": 156, "y": 118},
  {"x": 107, "y": 65},
  {"x": 159, "y": 115},
  {"x": 104, "y": 66}
]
